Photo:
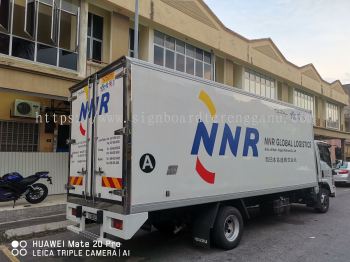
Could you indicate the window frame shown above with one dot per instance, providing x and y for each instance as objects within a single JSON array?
[
  {"x": 302, "y": 99},
  {"x": 7, "y": 143},
  {"x": 332, "y": 112},
  {"x": 91, "y": 38},
  {"x": 34, "y": 39},
  {"x": 253, "y": 82},
  {"x": 185, "y": 55}
]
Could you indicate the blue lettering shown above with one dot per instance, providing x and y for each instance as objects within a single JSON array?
[
  {"x": 250, "y": 142},
  {"x": 227, "y": 137},
  {"x": 83, "y": 111},
  {"x": 202, "y": 135},
  {"x": 89, "y": 109},
  {"x": 92, "y": 110},
  {"x": 104, "y": 103}
]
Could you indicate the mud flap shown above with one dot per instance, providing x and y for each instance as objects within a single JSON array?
[{"x": 203, "y": 223}]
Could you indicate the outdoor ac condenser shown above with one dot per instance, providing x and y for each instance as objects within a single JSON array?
[{"x": 25, "y": 108}]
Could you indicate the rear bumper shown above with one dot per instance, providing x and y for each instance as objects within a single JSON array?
[
  {"x": 341, "y": 178},
  {"x": 130, "y": 223}
]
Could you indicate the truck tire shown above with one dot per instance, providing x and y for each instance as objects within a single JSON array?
[
  {"x": 228, "y": 228},
  {"x": 322, "y": 204}
]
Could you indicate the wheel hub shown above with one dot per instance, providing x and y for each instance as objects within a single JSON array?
[{"x": 231, "y": 228}]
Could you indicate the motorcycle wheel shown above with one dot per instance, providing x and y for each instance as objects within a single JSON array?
[{"x": 37, "y": 193}]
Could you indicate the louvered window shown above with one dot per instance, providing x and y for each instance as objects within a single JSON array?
[{"x": 18, "y": 136}]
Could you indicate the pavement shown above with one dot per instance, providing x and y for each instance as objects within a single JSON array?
[
  {"x": 303, "y": 236},
  {"x": 27, "y": 219}
]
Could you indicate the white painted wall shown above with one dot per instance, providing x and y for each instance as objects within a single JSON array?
[{"x": 29, "y": 163}]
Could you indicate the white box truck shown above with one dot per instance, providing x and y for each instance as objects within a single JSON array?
[{"x": 152, "y": 147}]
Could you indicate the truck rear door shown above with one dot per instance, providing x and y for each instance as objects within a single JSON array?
[
  {"x": 80, "y": 148},
  {"x": 108, "y": 129}
]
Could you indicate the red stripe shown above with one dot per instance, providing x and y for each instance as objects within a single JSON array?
[
  {"x": 207, "y": 176},
  {"x": 111, "y": 182},
  {"x": 120, "y": 182}
]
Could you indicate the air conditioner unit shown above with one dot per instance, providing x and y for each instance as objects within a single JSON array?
[{"x": 25, "y": 108}]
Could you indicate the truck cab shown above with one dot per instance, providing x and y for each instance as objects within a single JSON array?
[{"x": 324, "y": 166}]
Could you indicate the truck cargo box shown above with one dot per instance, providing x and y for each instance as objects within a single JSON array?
[{"x": 147, "y": 138}]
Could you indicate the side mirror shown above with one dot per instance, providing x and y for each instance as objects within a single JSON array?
[{"x": 333, "y": 172}]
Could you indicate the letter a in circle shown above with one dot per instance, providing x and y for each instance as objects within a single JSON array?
[{"x": 147, "y": 163}]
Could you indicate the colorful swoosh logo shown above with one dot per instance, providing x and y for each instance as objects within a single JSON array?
[
  {"x": 205, "y": 98},
  {"x": 81, "y": 127},
  {"x": 204, "y": 173}
]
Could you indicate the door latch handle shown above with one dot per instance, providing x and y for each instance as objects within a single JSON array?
[
  {"x": 99, "y": 171},
  {"x": 82, "y": 172},
  {"x": 120, "y": 131}
]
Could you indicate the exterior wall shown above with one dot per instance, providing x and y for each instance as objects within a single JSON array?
[
  {"x": 7, "y": 99},
  {"x": 229, "y": 73},
  {"x": 29, "y": 163},
  {"x": 119, "y": 36},
  {"x": 24, "y": 79},
  {"x": 285, "y": 93},
  {"x": 145, "y": 37},
  {"x": 219, "y": 69}
]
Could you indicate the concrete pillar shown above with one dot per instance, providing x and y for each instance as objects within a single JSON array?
[
  {"x": 219, "y": 69},
  {"x": 342, "y": 118},
  {"x": 320, "y": 111},
  {"x": 284, "y": 93},
  {"x": 144, "y": 43},
  {"x": 343, "y": 149},
  {"x": 119, "y": 36},
  {"x": 229, "y": 74},
  {"x": 82, "y": 58}
]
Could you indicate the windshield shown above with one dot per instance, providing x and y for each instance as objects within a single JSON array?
[{"x": 344, "y": 165}]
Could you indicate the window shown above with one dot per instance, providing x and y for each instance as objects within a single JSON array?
[
  {"x": 95, "y": 37},
  {"x": 131, "y": 42},
  {"x": 332, "y": 116},
  {"x": 5, "y": 15},
  {"x": 18, "y": 136},
  {"x": 303, "y": 100},
  {"x": 259, "y": 84},
  {"x": 325, "y": 155},
  {"x": 44, "y": 31},
  {"x": 176, "y": 54}
]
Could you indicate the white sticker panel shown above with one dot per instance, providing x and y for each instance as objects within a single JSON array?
[{"x": 109, "y": 147}]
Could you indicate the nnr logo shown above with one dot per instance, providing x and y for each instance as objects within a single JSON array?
[
  {"x": 89, "y": 109},
  {"x": 230, "y": 136},
  {"x": 19, "y": 248}
]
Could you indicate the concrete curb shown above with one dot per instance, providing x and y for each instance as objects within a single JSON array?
[
  {"x": 24, "y": 231},
  {"x": 30, "y": 212}
]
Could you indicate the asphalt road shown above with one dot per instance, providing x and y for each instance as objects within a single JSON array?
[{"x": 302, "y": 236}]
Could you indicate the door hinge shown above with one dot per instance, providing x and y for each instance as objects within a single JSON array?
[
  {"x": 68, "y": 187},
  {"x": 118, "y": 192},
  {"x": 121, "y": 74},
  {"x": 70, "y": 141},
  {"x": 72, "y": 98}
]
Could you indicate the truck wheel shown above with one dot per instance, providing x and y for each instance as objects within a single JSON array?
[
  {"x": 322, "y": 204},
  {"x": 228, "y": 228}
]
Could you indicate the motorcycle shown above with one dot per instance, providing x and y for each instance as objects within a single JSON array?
[{"x": 13, "y": 186}]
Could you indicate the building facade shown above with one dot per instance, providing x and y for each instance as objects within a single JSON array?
[{"x": 46, "y": 46}]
